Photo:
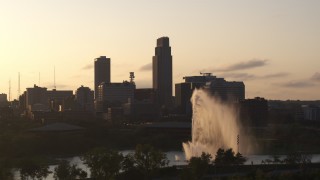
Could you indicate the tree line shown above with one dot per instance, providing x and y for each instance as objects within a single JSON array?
[{"x": 145, "y": 162}]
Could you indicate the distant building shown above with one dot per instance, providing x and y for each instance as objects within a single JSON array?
[
  {"x": 57, "y": 99},
  {"x": 145, "y": 95},
  {"x": 183, "y": 93},
  {"x": 40, "y": 103},
  {"x": 218, "y": 87},
  {"x": 37, "y": 99},
  {"x": 226, "y": 91},
  {"x": 3, "y": 100},
  {"x": 254, "y": 111},
  {"x": 311, "y": 112},
  {"x": 144, "y": 105},
  {"x": 85, "y": 98},
  {"x": 162, "y": 72},
  {"x": 102, "y": 72},
  {"x": 114, "y": 95}
]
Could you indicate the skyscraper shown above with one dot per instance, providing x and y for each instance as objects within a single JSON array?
[
  {"x": 162, "y": 72},
  {"x": 101, "y": 72}
]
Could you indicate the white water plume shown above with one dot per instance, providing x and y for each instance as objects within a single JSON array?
[{"x": 214, "y": 126}]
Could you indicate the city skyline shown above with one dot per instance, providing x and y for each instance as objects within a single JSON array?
[{"x": 271, "y": 46}]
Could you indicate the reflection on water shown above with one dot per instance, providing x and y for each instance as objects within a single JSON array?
[{"x": 176, "y": 158}]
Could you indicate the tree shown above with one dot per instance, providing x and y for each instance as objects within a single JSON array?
[
  {"x": 5, "y": 173},
  {"x": 228, "y": 157},
  {"x": 103, "y": 163},
  {"x": 199, "y": 165},
  {"x": 32, "y": 168},
  {"x": 239, "y": 159},
  {"x": 65, "y": 171},
  {"x": 297, "y": 158},
  {"x": 219, "y": 159},
  {"x": 148, "y": 159},
  {"x": 5, "y": 169}
]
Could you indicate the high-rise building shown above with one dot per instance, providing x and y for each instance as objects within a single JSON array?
[
  {"x": 101, "y": 72},
  {"x": 162, "y": 72}
]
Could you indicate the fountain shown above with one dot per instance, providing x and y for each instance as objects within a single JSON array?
[{"x": 214, "y": 126}]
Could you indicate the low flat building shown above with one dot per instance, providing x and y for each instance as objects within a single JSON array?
[{"x": 114, "y": 95}]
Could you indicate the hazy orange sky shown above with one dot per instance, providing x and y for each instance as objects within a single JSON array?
[{"x": 273, "y": 46}]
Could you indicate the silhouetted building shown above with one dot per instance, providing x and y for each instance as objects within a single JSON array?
[
  {"x": 226, "y": 91},
  {"x": 183, "y": 93},
  {"x": 311, "y": 112},
  {"x": 145, "y": 95},
  {"x": 114, "y": 95},
  {"x": 57, "y": 99},
  {"x": 85, "y": 98},
  {"x": 37, "y": 99},
  {"x": 3, "y": 100},
  {"x": 254, "y": 111},
  {"x": 218, "y": 87},
  {"x": 102, "y": 72},
  {"x": 144, "y": 105},
  {"x": 162, "y": 72}
]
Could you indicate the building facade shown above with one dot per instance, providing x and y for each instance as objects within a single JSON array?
[
  {"x": 226, "y": 91},
  {"x": 162, "y": 72},
  {"x": 218, "y": 87},
  {"x": 102, "y": 72},
  {"x": 85, "y": 98},
  {"x": 254, "y": 112},
  {"x": 37, "y": 99},
  {"x": 114, "y": 95},
  {"x": 57, "y": 99},
  {"x": 3, "y": 100}
]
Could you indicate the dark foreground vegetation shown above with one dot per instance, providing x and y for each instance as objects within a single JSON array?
[
  {"x": 32, "y": 152},
  {"x": 147, "y": 162}
]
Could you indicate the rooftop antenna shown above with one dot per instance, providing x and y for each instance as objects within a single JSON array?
[
  {"x": 18, "y": 85},
  {"x": 54, "y": 77},
  {"x": 39, "y": 79},
  {"x": 205, "y": 74},
  {"x": 132, "y": 77},
  {"x": 9, "y": 90}
]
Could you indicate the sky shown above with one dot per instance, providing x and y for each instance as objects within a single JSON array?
[{"x": 273, "y": 46}]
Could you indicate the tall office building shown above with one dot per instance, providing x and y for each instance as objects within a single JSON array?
[
  {"x": 101, "y": 72},
  {"x": 162, "y": 72}
]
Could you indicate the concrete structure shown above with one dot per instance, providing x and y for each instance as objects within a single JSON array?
[
  {"x": 114, "y": 95},
  {"x": 85, "y": 98},
  {"x": 162, "y": 72},
  {"x": 102, "y": 72}
]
